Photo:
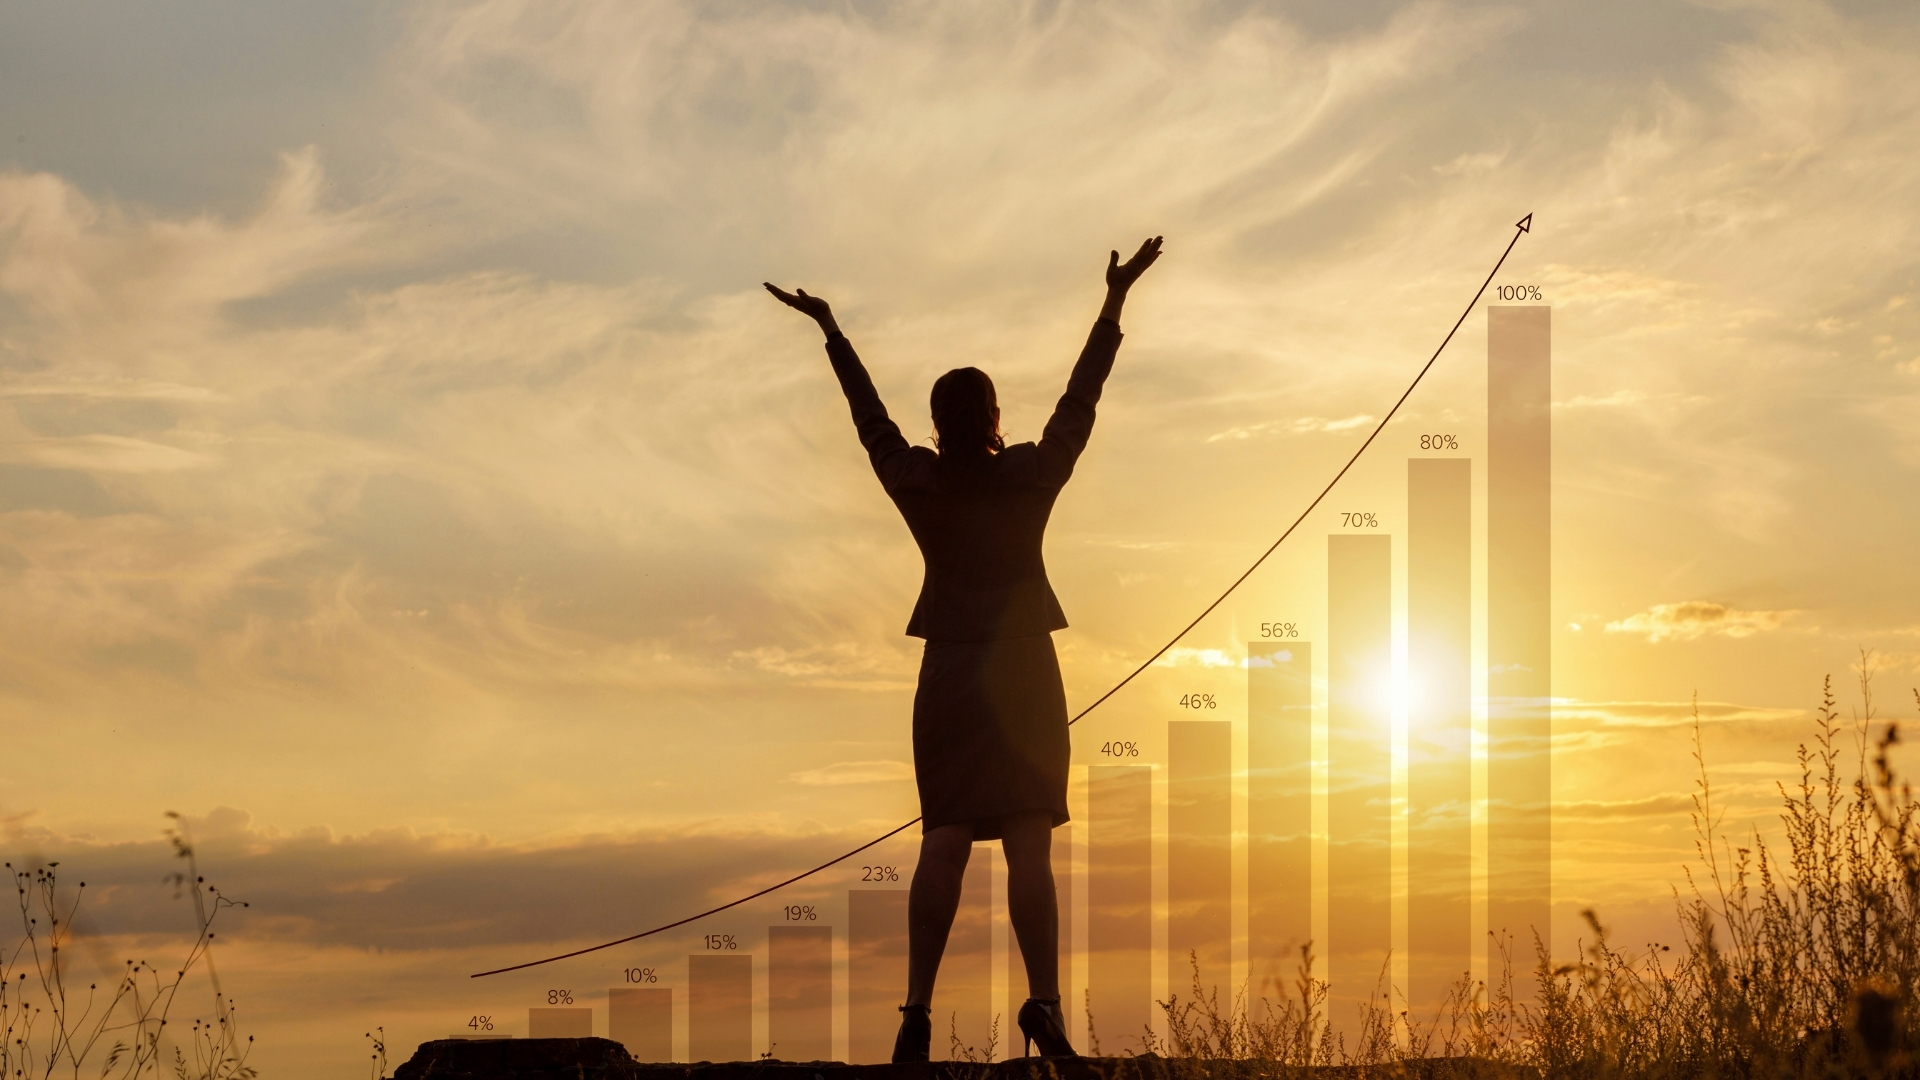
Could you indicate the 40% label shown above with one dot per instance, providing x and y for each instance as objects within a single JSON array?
[{"x": 1116, "y": 748}]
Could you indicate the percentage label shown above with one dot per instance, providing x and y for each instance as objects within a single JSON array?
[
  {"x": 1278, "y": 629},
  {"x": 801, "y": 913},
  {"x": 1359, "y": 521},
  {"x": 642, "y": 975},
  {"x": 1519, "y": 292},
  {"x": 720, "y": 942},
  {"x": 481, "y": 1023},
  {"x": 559, "y": 997},
  {"x": 1120, "y": 749},
  {"x": 1196, "y": 701},
  {"x": 880, "y": 873},
  {"x": 1439, "y": 442}
]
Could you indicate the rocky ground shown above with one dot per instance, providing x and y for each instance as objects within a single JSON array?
[{"x": 603, "y": 1059}]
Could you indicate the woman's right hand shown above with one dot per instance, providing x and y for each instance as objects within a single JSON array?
[{"x": 811, "y": 306}]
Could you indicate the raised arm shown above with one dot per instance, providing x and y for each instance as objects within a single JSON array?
[
  {"x": 886, "y": 447},
  {"x": 1071, "y": 425}
]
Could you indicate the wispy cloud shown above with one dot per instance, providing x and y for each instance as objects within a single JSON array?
[
  {"x": 1697, "y": 618},
  {"x": 1305, "y": 425},
  {"x": 856, "y": 772}
]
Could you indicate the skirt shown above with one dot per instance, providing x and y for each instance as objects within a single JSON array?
[{"x": 990, "y": 733}]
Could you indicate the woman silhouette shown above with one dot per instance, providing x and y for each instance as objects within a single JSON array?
[{"x": 990, "y": 715}]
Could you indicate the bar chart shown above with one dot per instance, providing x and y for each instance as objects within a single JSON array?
[{"x": 1374, "y": 815}]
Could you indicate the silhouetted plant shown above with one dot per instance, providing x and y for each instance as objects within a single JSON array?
[
  {"x": 1798, "y": 964},
  {"x": 49, "y": 1027}
]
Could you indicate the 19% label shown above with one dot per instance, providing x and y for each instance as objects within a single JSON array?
[{"x": 801, "y": 913}]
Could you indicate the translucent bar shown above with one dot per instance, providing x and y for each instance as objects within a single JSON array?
[
  {"x": 1119, "y": 904},
  {"x": 1199, "y": 857},
  {"x": 719, "y": 1007},
  {"x": 1439, "y": 726},
  {"x": 1359, "y": 763},
  {"x": 1279, "y": 814},
  {"x": 557, "y": 1023},
  {"x": 876, "y": 972},
  {"x": 642, "y": 1021},
  {"x": 1519, "y": 634},
  {"x": 800, "y": 992}
]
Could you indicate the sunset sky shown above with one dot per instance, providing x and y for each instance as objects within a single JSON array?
[{"x": 404, "y": 477}]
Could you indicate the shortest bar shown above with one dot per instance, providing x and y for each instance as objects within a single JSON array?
[
  {"x": 642, "y": 1021},
  {"x": 576, "y": 1023}
]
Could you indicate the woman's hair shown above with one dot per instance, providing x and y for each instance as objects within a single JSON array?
[{"x": 965, "y": 415}]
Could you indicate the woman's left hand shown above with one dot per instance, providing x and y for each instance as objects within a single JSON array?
[
  {"x": 1122, "y": 275},
  {"x": 810, "y": 306}
]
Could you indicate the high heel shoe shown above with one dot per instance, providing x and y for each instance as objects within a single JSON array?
[
  {"x": 1041, "y": 1022},
  {"x": 915, "y": 1041}
]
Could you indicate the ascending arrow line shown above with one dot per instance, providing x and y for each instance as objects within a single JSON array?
[{"x": 1524, "y": 225}]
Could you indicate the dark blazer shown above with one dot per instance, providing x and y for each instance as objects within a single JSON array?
[{"x": 985, "y": 578}]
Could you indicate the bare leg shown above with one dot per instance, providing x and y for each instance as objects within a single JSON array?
[
  {"x": 1027, "y": 840},
  {"x": 931, "y": 902}
]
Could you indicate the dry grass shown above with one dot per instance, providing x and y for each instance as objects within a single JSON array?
[
  {"x": 1794, "y": 964},
  {"x": 51, "y": 1027}
]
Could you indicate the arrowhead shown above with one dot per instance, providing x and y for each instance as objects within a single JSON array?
[{"x": 1526, "y": 224}]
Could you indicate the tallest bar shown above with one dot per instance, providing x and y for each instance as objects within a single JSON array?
[{"x": 1519, "y": 626}]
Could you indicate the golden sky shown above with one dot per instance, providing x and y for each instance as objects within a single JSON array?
[{"x": 403, "y": 475}]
